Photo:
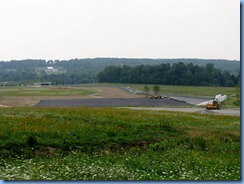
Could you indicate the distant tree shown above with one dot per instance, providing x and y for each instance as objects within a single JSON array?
[
  {"x": 142, "y": 71},
  {"x": 146, "y": 89},
  {"x": 156, "y": 89},
  {"x": 229, "y": 83}
]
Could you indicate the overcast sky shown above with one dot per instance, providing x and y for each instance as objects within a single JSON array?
[{"x": 67, "y": 29}]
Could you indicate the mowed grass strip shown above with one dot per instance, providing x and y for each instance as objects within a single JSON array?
[
  {"x": 45, "y": 91},
  {"x": 117, "y": 144},
  {"x": 208, "y": 91}
]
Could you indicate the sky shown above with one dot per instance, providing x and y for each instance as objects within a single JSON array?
[{"x": 68, "y": 29}]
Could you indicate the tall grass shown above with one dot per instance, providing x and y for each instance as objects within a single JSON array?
[{"x": 117, "y": 144}]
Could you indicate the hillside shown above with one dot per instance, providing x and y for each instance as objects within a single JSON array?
[{"x": 85, "y": 70}]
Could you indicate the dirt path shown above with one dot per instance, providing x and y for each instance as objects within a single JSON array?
[
  {"x": 112, "y": 92},
  {"x": 232, "y": 112}
]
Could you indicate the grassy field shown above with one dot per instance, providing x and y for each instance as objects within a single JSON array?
[
  {"x": 44, "y": 91},
  {"x": 208, "y": 91},
  {"x": 164, "y": 89},
  {"x": 117, "y": 144},
  {"x": 13, "y": 96}
]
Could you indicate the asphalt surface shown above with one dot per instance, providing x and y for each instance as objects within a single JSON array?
[
  {"x": 191, "y": 100},
  {"x": 112, "y": 102},
  {"x": 180, "y": 104}
]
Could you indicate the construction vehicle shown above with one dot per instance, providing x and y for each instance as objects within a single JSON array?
[
  {"x": 155, "y": 97},
  {"x": 214, "y": 105}
]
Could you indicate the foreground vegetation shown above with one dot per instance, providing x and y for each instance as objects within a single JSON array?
[{"x": 117, "y": 144}]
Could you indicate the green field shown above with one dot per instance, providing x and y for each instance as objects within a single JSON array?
[
  {"x": 231, "y": 92},
  {"x": 117, "y": 144},
  {"x": 208, "y": 91},
  {"x": 44, "y": 91}
]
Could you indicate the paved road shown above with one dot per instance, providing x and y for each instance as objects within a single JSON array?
[{"x": 191, "y": 100}]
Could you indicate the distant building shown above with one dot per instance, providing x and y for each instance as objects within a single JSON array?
[
  {"x": 43, "y": 84},
  {"x": 51, "y": 69}
]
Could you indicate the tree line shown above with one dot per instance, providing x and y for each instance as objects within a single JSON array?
[
  {"x": 77, "y": 71},
  {"x": 176, "y": 74},
  {"x": 18, "y": 78}
]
